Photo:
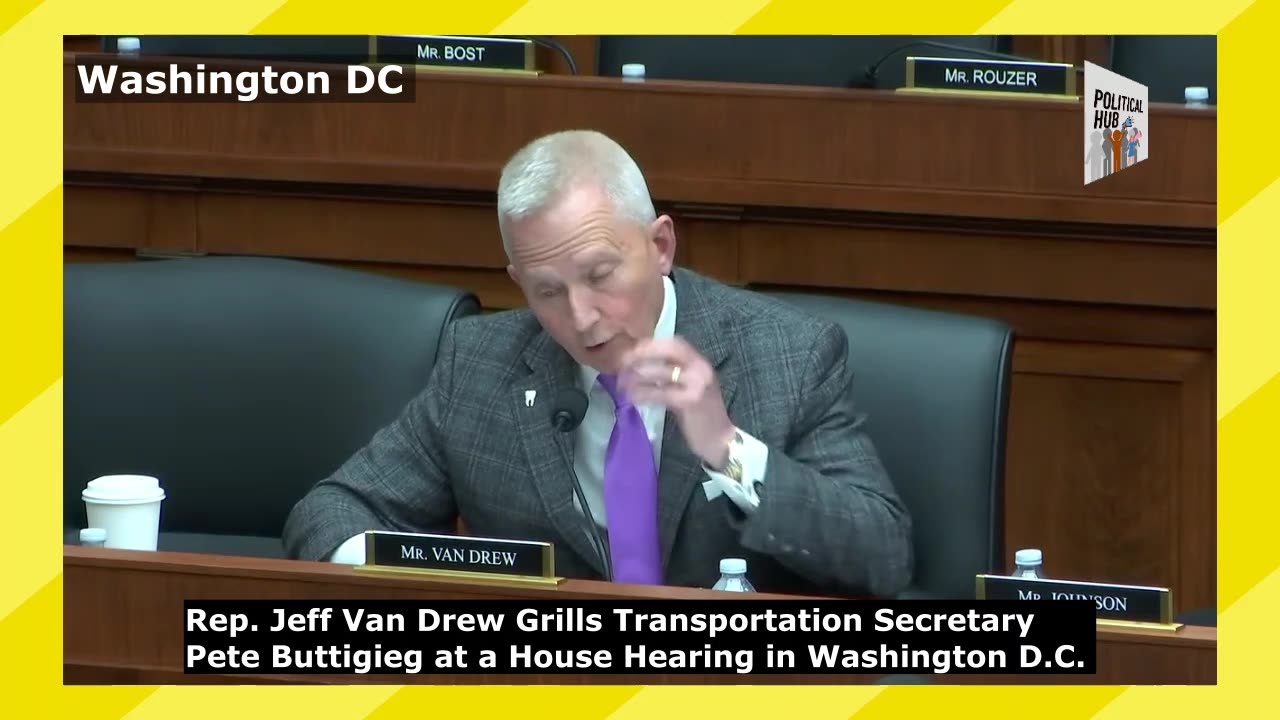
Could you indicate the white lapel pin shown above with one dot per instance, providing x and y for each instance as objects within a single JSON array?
[{"x": 529, "y": 396}]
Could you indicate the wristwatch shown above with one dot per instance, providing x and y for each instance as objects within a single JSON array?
[
  {"x": 742, "y": 473},
  {"x": 733, "y": 467}
]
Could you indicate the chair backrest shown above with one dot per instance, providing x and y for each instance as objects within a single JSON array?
[
  {"x": 239, "y": 382},
  {"x": 935, "y": 387}
]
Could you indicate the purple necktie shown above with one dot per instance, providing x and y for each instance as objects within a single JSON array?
[{"x": 631, "y": 494}]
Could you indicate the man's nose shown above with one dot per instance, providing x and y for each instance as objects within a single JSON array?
[{"x": 583, "y": 309}]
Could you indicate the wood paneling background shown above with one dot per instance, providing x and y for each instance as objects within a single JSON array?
[{"x": 973, "y": 205}]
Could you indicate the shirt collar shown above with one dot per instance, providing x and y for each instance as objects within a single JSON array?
[{"x": 665, "y": 328}]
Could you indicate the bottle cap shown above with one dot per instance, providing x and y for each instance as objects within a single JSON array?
[
  {"x": 1028, "y": 557},
  {"x": 128, "y": 44},
  {"x": 89, "y": 535},
  {"x": 633, "y": 70},
  {"x": 736, "y": 566},
  {"x": 1196, "y": 93}
]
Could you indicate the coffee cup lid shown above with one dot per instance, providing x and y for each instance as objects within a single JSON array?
[{"x": 123, "y": 489}]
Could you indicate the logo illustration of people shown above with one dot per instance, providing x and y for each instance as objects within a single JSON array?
[
  {"x": 1131, "y": 146},
  {"x": 1099, "y": 159},
  {"x": 1113, "y": 150}
]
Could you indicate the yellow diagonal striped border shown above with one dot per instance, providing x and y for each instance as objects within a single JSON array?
[{"x": 31, "y": 390}]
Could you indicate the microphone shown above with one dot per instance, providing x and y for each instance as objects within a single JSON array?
[
  {"x": 873, "y": 69},
  {"x": 569, "y": 409},
  {"x": 549, "y": 43},
  {"x": 566, "y": 414}
]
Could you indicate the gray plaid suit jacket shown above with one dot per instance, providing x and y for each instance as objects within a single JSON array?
[{"x": 829, "y": 519}]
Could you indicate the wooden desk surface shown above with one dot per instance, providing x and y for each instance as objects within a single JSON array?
[{"x": 122, "y": 624}]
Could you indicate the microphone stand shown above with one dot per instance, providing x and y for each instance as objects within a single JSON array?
[{"x": 564, "y": 421}]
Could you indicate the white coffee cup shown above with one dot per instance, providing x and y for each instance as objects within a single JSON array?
[{"x": 127, "y": 507}]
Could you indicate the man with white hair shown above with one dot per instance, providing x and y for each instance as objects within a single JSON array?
[{"x": 719, "y": 422}]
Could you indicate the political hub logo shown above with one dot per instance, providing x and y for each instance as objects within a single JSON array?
[{"x": 1115, "y": 122}]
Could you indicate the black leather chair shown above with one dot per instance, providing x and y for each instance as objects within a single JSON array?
[
  {"x": 935, "y": 387},
  {"x": 238, "y": 382}
]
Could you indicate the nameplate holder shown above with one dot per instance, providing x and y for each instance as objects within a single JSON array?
[
  {"x": 1115, "y": 605},
  {"x": 991, "y": 77},
  {"x": 454, "y": 52},
  {"x": 460, "y": 558}
]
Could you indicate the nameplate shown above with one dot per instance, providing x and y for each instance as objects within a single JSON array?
[
  {"x": 1129, "y": 603},
  {"x": 452, "y": 554},
  {"x": 991, "y": 76},
  {"x": 454, "y": 51}
]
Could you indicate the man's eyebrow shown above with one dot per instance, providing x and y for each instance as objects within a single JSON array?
[
  {"x": 538, "y": 279},
  {"x": 597, "y": 256}
]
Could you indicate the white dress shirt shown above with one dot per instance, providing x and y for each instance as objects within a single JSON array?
[{"x": 593, "y": 442}]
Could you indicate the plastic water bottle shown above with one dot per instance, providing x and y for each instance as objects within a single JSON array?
[
  {"x": 93, "y": 537},
  {"x": 633, "y": 72},
  {"x": 733, "y": 576},
  {"x": 1196, "y": 96},
  {"x": 1028, "y": 564},
  {"x": 129, "y": 46}
]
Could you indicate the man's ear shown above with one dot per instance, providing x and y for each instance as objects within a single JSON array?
[{"x": 663, "y": 233}]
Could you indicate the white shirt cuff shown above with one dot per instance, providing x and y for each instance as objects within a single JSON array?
[
  {"x": 754, "y": 456},
  {"x": 350, "y": 552}
]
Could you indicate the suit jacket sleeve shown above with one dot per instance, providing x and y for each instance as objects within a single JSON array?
[
  {"x": 828, "y": 510},
  {"x": 399, "y": 481}
]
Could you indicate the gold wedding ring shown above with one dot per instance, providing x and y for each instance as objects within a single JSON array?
[{"x": 675, "y": 375}]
